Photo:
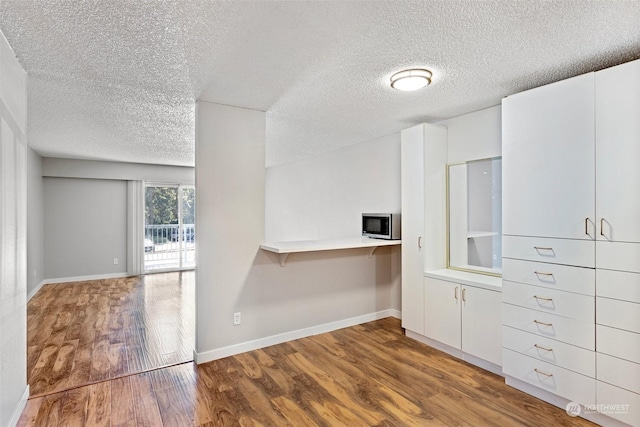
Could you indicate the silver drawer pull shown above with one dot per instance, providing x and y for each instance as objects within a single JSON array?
[
  {"x": 539, "y": 273},
  {"x": 543, "y": 323},
  {"x": 542, "y": 348},
  {"x": 543, "y": 298},
  {"x": 546, "y": 374},
  {"x": 541, "y": 248}
]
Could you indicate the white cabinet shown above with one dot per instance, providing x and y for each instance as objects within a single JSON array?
[
  {"x": 443, "y": 318},
  {"x": 618, "y": 239},
  {"x": 412, "y": 189},
  {"x": 618, "y": 153},
  {"x": 549, "y": 227},
  {"x": 571, "y": 204},
  {"x": 548, "y": 160},
  {"x": 464, "y": 317},
  {"x": 423, "y": 156},
  {"x": 481, "y": 319}
]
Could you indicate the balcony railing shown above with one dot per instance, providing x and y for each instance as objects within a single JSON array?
[{"x": 165, "y": 247}]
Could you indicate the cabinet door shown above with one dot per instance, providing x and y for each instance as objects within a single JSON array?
[
  {"x": 442, "y": 311},
  {"x": 482, "y": 324},
  {"x": 548, "y": 160},
  {"x": 618, "y": 153},
  {"x": 412, "y": 189}
]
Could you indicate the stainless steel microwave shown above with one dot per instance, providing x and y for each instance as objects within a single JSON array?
[{"x": 381, "y": 225}]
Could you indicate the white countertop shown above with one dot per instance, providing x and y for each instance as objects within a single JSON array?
[
  {"x": 484, "y": 281},
  {"x": 326, "y": 245}
]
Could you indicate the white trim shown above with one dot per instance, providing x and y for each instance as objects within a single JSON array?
[
  {"x": 232, "y": 350},
  {"x": 85, "y": 278},
  {"x": 17, "y": 411},
  {"x": 560, "y": 402},
  {"x": 35, "y": 290},
  {"x": 455, "y": 352},
  {"x": 135, "y": 227}
]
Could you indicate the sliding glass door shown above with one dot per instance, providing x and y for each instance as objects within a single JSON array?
[{"x": 169, "y": 227}]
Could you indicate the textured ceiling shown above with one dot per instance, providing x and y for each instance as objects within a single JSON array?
[{"x": 116, "y": 80}]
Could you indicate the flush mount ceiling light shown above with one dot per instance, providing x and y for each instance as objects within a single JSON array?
[{"x": 413, "y": 79}]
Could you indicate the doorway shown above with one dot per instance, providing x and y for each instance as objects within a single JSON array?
[{"x": 169, "y": 228}]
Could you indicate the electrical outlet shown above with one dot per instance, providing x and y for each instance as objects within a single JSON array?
[
  {"x": 236, "y": 318},
  {"x": 115, "y": 261}
]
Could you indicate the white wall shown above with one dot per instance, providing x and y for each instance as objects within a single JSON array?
[
  {"x": 85, "y": 225},
  {"x": 230, "y": 147},
  {"x": 35, "y": 222},
  {"x": 13, "y": 236},
  {"x": 324, "y": 196},
  {"x": 476, "y": 135},
  {"x": 313, "y": 290}
]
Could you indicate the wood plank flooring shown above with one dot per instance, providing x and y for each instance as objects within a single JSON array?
[
  {"x": 86, "y": 332},
  {"x": 366, "y": 375}
]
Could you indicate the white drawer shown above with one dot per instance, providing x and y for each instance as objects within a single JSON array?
[
  {"x": 618, "y": 343},
  {"x": 618, "y": 372},
  {"x": 562, "y": 277},
  {"x": 560, "y": 328},
  {"x": 618, "y": 256},
  {"x": 618, "y": 314},
  {"x": 551, "y": 351},
  {"x": 566, "y": 304},
  {"x": 622, "y": 404},
  {"x": 618, "y": 285},
  {"x": 552, "y": 378},
  {"x": 556, "y": 251}
]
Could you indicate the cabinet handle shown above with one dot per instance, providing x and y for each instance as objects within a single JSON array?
[
  {"x": 455, "y": 292},
  {"x": 586, "y": 226},
  {"x": 546, "y": 374},
  {"x": 464, "y": 290},
  {"x": 542, "y": 348},
  {"x": 541, "y": 248},
  {"x": 543, "y": 298},
  {"x": 419, "y": 242},
  {"x": 539, "y": 273},
  {"x": 543, "y": 323},
  {"x": 602, "y": 226}
]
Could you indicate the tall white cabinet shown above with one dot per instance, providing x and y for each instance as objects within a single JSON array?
[
  {"x": 571, "y": 224},
  {"x": 618, "y": 238},
  {"x": 423, "y": 156}
]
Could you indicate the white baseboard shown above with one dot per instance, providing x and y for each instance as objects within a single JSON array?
[
  {"x": 560, "y": 402},
  {"x": 219, "y": 353},
  {"x": 17, "y": 412},
  {"x": 84, "y": 278},
  {"x": 455, "y": 352},
  {"x": 35, "y": 290}
]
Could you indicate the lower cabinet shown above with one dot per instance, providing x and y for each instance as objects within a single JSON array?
[
  {"x": 618, "y": 345},
  {"x": 464, "y": 317}
]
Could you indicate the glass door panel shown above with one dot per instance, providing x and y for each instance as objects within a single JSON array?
[{"x": 169, "y": 240}]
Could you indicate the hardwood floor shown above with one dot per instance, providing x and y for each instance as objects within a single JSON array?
[
  {"x": 87, "y": 332},
  {"x": 364, "y": 375}
]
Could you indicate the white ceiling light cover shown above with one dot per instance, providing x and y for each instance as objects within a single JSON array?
[{"x": 409, "y": 80}]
